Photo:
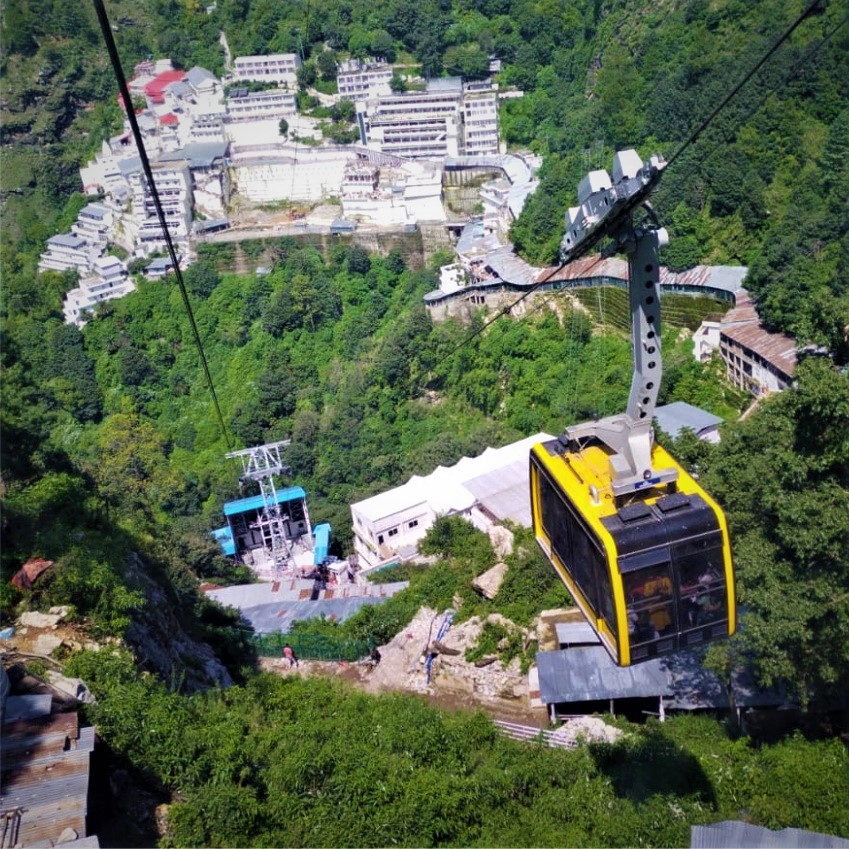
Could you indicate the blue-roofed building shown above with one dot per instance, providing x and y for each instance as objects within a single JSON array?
[{"x": 245, "y": 533}]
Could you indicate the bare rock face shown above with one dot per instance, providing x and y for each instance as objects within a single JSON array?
[
  {"x": 73, "y": 687},
  {"x": 46, "y": 644},
  {"x": 403, "y": 664},
  {"x": 160, "y": 641}
]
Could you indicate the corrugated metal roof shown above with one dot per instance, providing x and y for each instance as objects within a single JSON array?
[
  {"x": 693, "y": 686},
  {"x": 505, "y": 492},
  {"x": 779, "y": 349},
  {"x": 588, "y": 674},
  {"x": 284, "y": 594},
  {"x": 673, "y": 418},
  {"x": 573, "y": 633},
  {"x": 27, "y": 707},
  {"x": 256, "y": 502},
  {"x": 727, "y": 278},
  {"x": 583, "y": 674},
  {"x": 732, "y": 834},
  {"x": 448, "y": 487},
  {"x": 44, "y": 772},
  {"x": 587, "y": 267},
  {"x": 250, "y": 595},
  {"x": 510, "y": 267},
  {"x": 279, "y": 616}
]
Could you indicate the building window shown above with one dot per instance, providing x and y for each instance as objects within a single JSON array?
[
  {"x": 380, "y": 539},
  {"x": 414, "y": 523},
  {"x": 392, "y": 532}
]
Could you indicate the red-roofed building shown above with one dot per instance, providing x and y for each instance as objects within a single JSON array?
[
  {"x": 169, "y": 120},
  {"x": 155, "y": 89}
]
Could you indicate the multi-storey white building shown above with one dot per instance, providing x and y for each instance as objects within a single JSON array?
[
  {"x": 275, "y": 103},
  {"x": 206, "y": 128},
  {"x": 357, "y": 80},
  {"x": 173, "y": 184},
  {"x": 278, "y": 68},
  {"x": 110, "y": 280},
  {"x": 210, "y": 181},
  {"x": 432, "y": 124},
  {"x": 480, "y": 119},
  {"x": 68, "y": 251},
  {"x": 93, "y": 223}
]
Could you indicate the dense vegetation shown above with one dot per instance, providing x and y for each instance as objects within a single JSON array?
[
  {"x": 292, "y": 762},
  {"x": 112, "y": 461}
]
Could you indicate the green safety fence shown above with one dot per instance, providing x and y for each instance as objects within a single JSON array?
[{"x": 311, "y": 646}]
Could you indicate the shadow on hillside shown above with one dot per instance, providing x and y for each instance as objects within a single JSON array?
[{"x": 652, "y": 764}]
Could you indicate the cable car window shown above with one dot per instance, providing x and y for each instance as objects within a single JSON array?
[
  {"x": 651, "y": 612},
  {"x": 571, "y": 541},
  {"x": 554, "y": 521},
  {"x": 584, "y": 557},
  {"x": 605, "y": 593},
  {"x": 701, "y": 587}
]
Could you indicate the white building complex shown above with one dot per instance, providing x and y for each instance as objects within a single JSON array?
[
  {"x": 392, "y": 192},
  {"x": 280, "y": 68},
  {"x": 173, "y": 184},
  {"x": 449, "y": 119},
  {"x": 199, "y": 141},
  {"x": 484, "y": 490},
  {"x": 68, "y": 251},
  {"x": 93, "y": 223}
]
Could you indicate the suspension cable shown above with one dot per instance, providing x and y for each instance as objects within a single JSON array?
[{"x": 148, "y": 173}]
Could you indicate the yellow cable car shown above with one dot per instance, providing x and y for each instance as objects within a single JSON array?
[
  {"x": 652, "y": 572},
  {"x": 641, "y": 546}
]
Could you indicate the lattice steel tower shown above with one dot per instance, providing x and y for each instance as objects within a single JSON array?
[{"x": 261, "y": 463}]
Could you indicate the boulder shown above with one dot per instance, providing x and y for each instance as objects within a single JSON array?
[
  {"x": 490, "y": 581},
  {"x": 501, "y": 539},
  {"x": 73, "y": 687},
  {"x": 34, "y": 619},
  {"x": 46, "y": 644}
]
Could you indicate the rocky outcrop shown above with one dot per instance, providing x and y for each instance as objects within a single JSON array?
[{"x": 161, "y": 643}]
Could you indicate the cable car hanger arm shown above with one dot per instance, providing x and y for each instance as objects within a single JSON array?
[{"x": 605, "y": 209}]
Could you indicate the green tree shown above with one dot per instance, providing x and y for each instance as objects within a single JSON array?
[{"x": 782, "y": 477}]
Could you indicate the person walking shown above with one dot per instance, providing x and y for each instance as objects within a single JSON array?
[{"x": 289, "y": 654}]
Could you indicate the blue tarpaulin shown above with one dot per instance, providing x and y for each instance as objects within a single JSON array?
[
  {"x": 224, "y": 537},
  {"x": 322, "y": 542}
]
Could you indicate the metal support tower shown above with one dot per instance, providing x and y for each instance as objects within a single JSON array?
[{"x": 261, "y": 463}]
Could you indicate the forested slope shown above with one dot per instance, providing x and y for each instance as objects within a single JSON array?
[{"x": 112, "y": 461}]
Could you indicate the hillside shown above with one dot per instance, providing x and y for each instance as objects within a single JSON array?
[{"x": 112, "y": 459}]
